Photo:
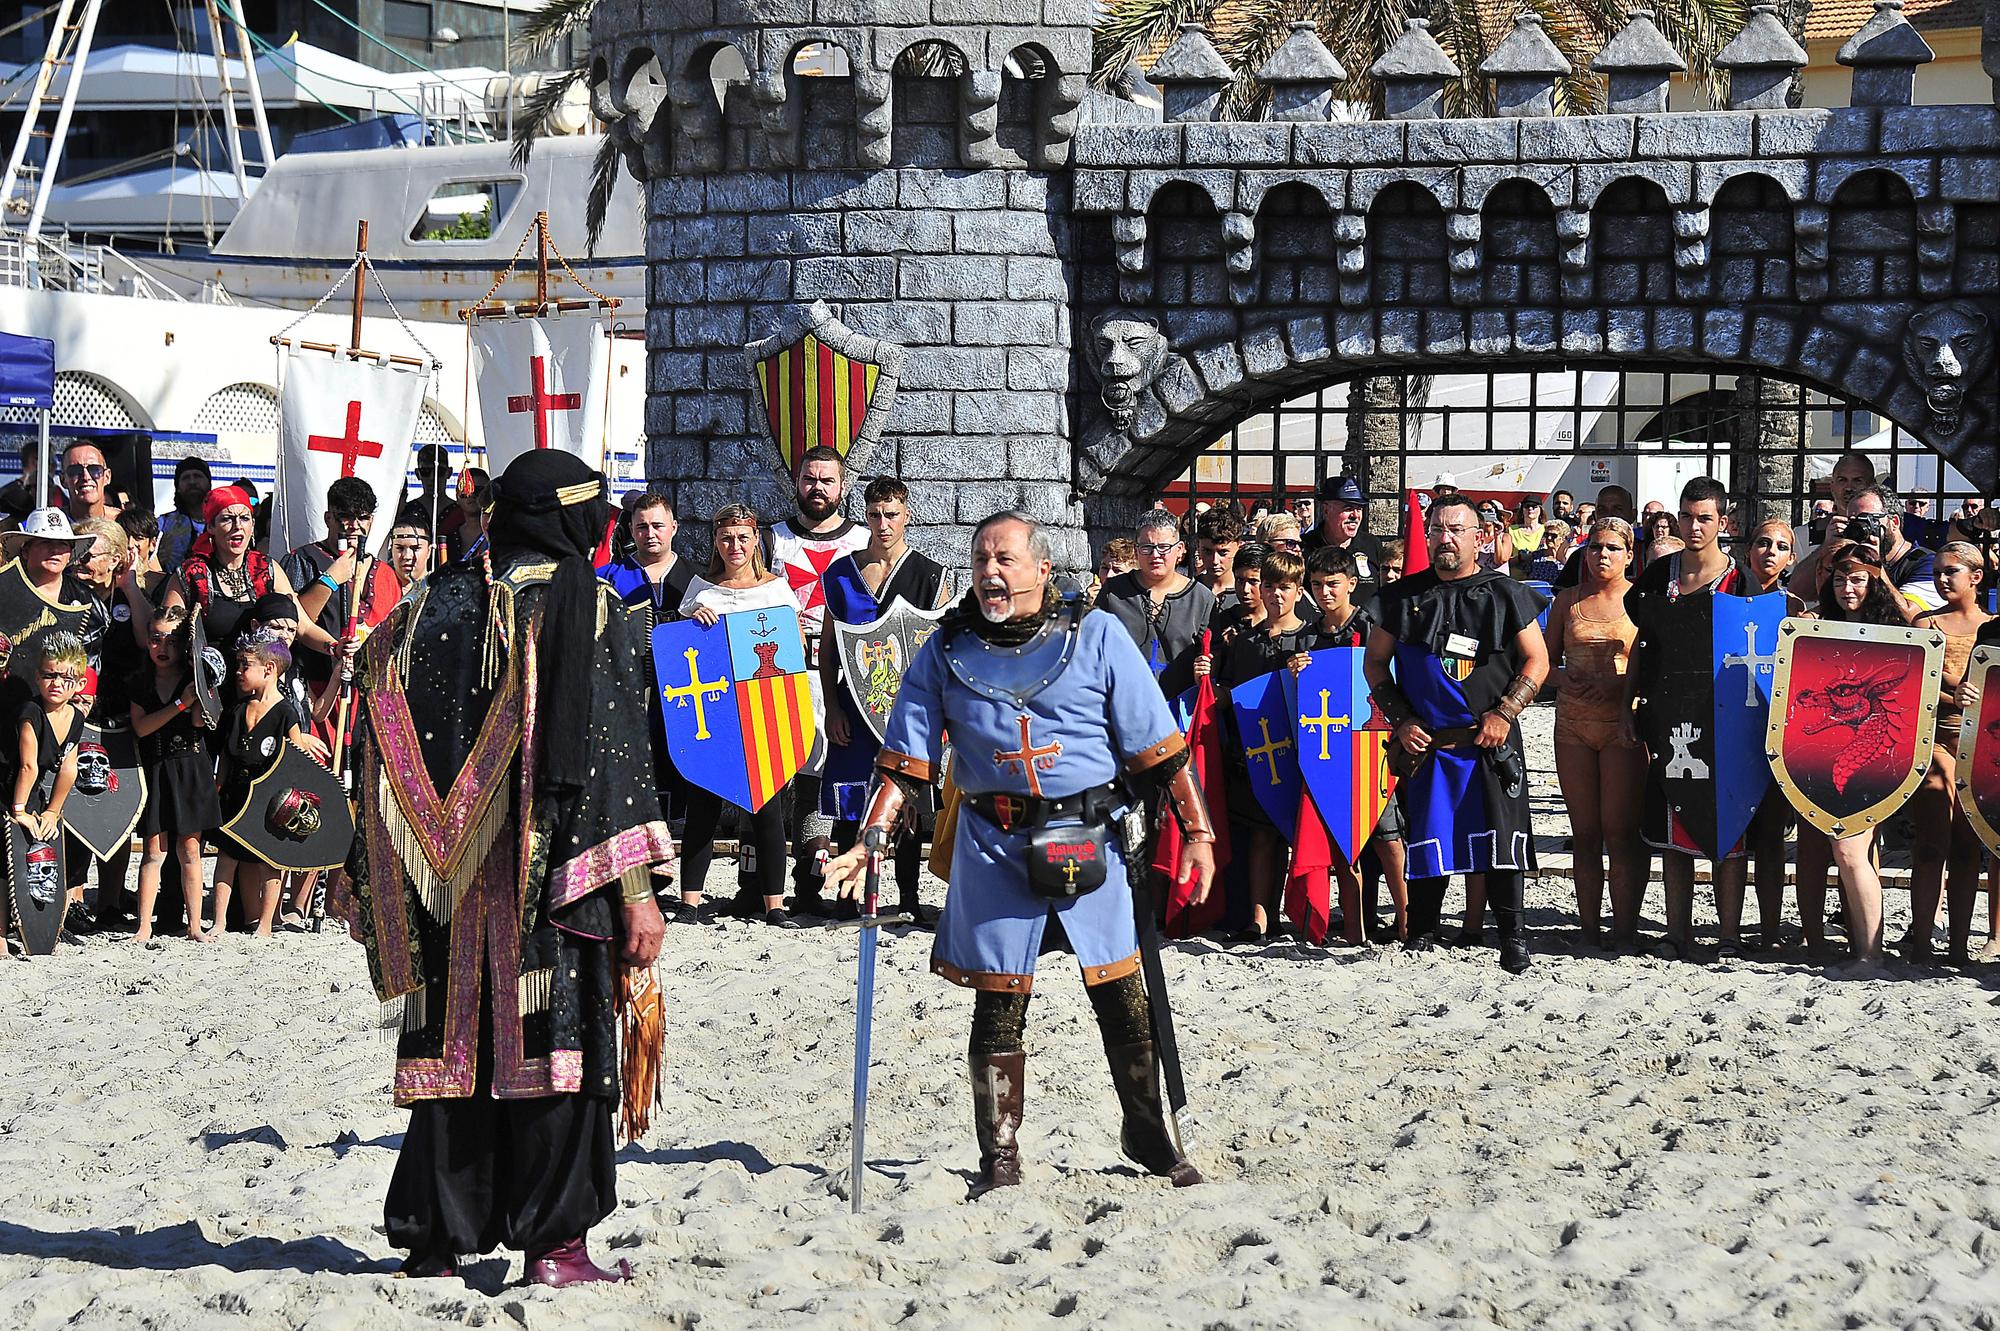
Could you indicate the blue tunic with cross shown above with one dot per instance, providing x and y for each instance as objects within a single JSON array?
[{"x": 1011, "y": 733}]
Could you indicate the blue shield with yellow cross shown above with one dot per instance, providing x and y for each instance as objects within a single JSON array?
[{"x": 735, "y": 702}]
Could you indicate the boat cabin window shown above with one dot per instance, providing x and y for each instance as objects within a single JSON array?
[{"x": 466, "y": 210}]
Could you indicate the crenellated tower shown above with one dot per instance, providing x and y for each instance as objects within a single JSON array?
[{"x": 894, "y": 159}]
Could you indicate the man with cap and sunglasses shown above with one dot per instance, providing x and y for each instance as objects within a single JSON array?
[
  {"x": 182, "y": 523},
  {"x": 1342, "y": 511}
]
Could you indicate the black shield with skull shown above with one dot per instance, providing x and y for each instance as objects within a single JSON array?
[
  {"x": 110, "y": 791},
  {"x": 296, "y": 815}
]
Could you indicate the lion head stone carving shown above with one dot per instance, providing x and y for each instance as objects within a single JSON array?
[
  {"x": 1126, "y": 351},
  {"x": 1945, "y": 347}
]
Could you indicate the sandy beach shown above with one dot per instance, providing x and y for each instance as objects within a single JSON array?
[{"x": 200, "y": 1137}]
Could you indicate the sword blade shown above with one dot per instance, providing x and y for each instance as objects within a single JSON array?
[
  {"x": 864, "y": 1021},
  {"x": 1139, "y": 872}
]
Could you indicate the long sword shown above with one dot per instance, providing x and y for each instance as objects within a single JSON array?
[
  {"x": 864, "y": 1007},
  {"x": 1139, "y": 872}
]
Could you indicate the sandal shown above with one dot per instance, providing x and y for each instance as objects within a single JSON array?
[{"x": 1729, "y": 949}]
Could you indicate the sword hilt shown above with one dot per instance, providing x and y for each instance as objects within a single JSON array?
[{"x": 871, "y": 920}]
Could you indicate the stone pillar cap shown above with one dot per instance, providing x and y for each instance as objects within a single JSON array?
[
  {"x": 1762, "y": 44},
  {"x": 1415, "y": 57},
  {"x": 1887, "y": 38},
  {"x": 1525, "y": 52},
  {"x": 1639, "y": 48},
  {"x": 1192, "y": 59},
  {"x": 1301, "y": 58}
]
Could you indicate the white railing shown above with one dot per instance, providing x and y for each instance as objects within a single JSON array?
[{"x": 60, "y": 263}]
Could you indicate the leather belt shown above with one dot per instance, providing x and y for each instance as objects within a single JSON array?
[{"x": 1015, "y": 813}]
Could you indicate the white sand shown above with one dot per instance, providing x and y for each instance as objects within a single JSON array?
[{"x": 201, "y": 1137}]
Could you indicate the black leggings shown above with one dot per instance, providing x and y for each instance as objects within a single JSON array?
[
  {"x": 1000, "y": 1020},
  {"x": 764, "y": 844},
  {"x": 1503, "y": 891}
]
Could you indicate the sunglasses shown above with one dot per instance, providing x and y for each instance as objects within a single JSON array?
[{"x": 78, "y": 471}]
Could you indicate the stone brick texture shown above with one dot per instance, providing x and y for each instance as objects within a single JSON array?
[{"x": 920, "y": 195}]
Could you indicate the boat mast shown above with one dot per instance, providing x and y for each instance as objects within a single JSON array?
[
  {"x": 228, "y": 91},
  {"x": 59, "y": 32},
  {"x": 79, "y": 53},
  {"x": 252, "y": 85}
]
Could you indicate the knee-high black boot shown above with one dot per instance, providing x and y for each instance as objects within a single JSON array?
[
  {"x": 1426, "y": 908},
  {"x": 999, "y": 1083},
  {"x": 1506, "y": 893},
  {"x": 1135, "y": 1071}
]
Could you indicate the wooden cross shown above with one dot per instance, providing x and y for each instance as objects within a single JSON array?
[
  {"x": 1029, "y": 757},
  {"x": 698, "y": 690},
  {"x": 350, "y": 445},
  {"x": 540, "y": 401},
  {"x": 1751, "y": 663},
  {"x": 1325, "y": 722},
  {"x": 1271, "y": 747}
]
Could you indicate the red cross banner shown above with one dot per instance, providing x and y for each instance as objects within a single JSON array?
[
  {"x": 340, "y": 417},
  {"x": 542, "y": 384}
]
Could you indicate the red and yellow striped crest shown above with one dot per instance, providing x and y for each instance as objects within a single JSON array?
[
  {"x": 1374, "y": 787},
  {"x": 812, "y": 395},
  {"x": 778, "y": 731}
]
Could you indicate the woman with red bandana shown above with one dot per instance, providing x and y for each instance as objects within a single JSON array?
[{"x": 223, "y": 576}]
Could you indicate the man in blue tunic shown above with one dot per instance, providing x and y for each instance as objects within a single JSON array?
[
  {"x": 1056, "y": 726},
  {"x": 1468, "y": 657}
]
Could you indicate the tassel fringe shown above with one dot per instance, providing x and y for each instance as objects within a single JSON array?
[
  {"x": 440, "y": 895},
  {"x": 400, "y": 1016},
  {"x": 534, "y": 991},
  {"x": 642, "y": 1038}
]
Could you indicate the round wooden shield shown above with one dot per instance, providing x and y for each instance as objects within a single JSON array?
[
  {"x": 1853, "y": 719},
  {"x": 296, "y": 815},
  {"x": 37, "y": 889},
  {"x": 1978, "y": 774},
  {"x": 110, "y": 791}
]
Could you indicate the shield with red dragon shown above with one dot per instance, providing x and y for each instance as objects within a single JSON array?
[
  {"x": 1979, "y": 748},
  {"x": 1852, "y": 718}
]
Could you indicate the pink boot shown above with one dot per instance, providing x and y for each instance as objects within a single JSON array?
[{"x": 570, "y": 1264}]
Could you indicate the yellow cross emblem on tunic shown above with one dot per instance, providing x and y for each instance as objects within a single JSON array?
[
  {"x": 697, "y": 690},
  {"x": 1326, "y": 723},
  {"x": 1269, "y": 748}
]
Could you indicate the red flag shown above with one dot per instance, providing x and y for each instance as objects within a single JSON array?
[
  {"x": 1416, "y": 550},
  {"x": 606, "y": 547},
  {"x": 1309, "y": 890},
  {"x": 1204, "y": 737}
]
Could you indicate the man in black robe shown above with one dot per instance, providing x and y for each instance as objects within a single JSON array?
[
  {"x": 501, "y": 869},
  {"x": 1469, "y": 658}
]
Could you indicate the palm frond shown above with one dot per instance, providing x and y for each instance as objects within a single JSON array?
[
  {"x": 545, "y": 27},
  {"x": 1248, "y": 32},
  {"x": 538, "y": 111},
  {"x": 1131, "y": 29},
  {"x": 603, "y": 179}
]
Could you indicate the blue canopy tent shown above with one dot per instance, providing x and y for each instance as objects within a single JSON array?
[{"x": 28, "y": 379}]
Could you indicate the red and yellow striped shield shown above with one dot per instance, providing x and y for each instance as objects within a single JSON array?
[
  {"x": 812, "y": 395},
  {"x": 819, "y": 382},
  {"x": 778, "y": 731}
]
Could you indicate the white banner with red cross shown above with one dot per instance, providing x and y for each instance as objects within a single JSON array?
[
  {"x": 339, "y": 417},
  {"x": 542, "y": 384}
]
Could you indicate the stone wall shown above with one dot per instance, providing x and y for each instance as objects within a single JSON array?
[{"x": 1089, "y": 296}]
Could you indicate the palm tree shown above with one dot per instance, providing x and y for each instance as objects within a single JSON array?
[
  {"x": 544, "y": 30},
  {"x": 1246, "y": 32}
]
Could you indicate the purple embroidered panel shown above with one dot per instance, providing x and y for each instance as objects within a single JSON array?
[
  {"x": 386, "y": 880},
  {"x": 445, "y": 826},
  {"x": 649, "y": 843}
]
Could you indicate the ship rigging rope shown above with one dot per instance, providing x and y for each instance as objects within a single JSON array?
[{"x": 339, "y": 285}]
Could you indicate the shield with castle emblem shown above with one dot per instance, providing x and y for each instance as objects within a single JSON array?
[
  {"x": 735, "y": 702},
  {"x": 874, "y": 657},
  {"x": 821, "y": 382}
]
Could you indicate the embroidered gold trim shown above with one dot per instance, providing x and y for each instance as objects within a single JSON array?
[{"x": 580, "y": 493}]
